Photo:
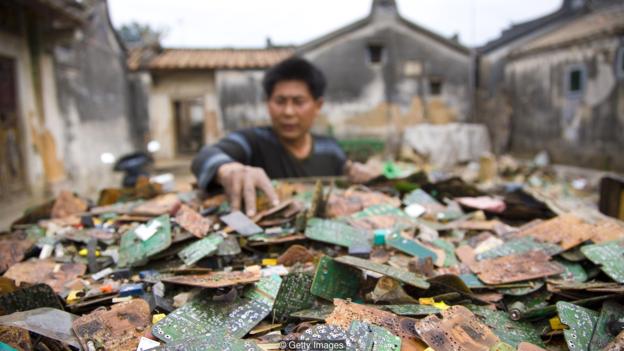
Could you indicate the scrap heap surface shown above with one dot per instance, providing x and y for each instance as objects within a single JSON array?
[{"x": 413, "y": 262}]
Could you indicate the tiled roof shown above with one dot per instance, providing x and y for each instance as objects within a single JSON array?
[
  {"x": 606, "y": 21},
  {"x": 214, "y": 58}
]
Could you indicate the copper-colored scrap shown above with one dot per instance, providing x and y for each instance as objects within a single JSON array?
[
  {"x": 17, "y": 338},
  {"x": 352, "y": 201},
  {"x": 278, "y": 240},
  {"x": 295, "y": 254},
  {"x": 163, "y": 204},
  {"x": 467, "y": 256},
  {"x": 490, "y": 297},
  {"x": 215, "y": 279},
  {"x": 12, "y": 251},
  {"x": 119, "y": 328},
  {"x": 515, "y": 268},
  {"x": 458, "y": 330},
  {"x": 192, "y": 221},
  {"x": 607, "y": 230},
  {"x": 566, "y": 230},
  {"x": 56, "y": 275},
  {"x": 67, "y": 204},
  {"x": 346, "y": 312}
]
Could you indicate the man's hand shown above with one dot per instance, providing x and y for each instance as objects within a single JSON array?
[
  {"x": 241, "y": 182},
  {"x": 358, "y": 173}
]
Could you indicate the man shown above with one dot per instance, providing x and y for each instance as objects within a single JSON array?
[{"x": 245, "y": 160}]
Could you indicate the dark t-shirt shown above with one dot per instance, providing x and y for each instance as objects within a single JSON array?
[{"x": 260, "y": 147}]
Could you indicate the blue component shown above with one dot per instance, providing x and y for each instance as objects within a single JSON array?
[
  {"x": 148, "y": 273},
  {"x": 131, "y": 290}
]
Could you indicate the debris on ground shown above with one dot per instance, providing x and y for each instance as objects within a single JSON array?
[{"x": 502, "y": 257}]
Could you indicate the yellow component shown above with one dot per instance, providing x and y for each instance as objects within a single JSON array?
[
  {"x": 555, "y": 323},
  {"x": 97, "y": 221},
  {"x": 73, "y": 296},
  {"x": 85, "y": 252},
  {"x": 269, "y": 262},
  {"x": 431, "y": 302},
  {"x": 429, "y": 349},
  {"x": 157, "y": 317}
]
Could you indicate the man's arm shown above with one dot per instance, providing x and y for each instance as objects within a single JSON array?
[{"x": 225, "y": 164}]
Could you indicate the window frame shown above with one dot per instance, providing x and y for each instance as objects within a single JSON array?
[
  {"x": 436, "y": 80},
  {"x": 382, "y": 54},
  {"x": 567, "y": 81}
]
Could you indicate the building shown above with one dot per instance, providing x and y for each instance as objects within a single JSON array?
[
  {"x": 64, "y": 97},
  {"x": 558, "y": 86},
  {"x": 197, "y": 94},
  {"x": 384, "y": 73}
]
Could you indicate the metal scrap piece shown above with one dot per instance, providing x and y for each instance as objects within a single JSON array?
[
  {"x": 134, "y": 251},
  {"x": 295, "y": 254},
  {"x": 458, "y": 330},
  {"x": 566, "y": 230},
  {"x": 203, "y": 315},
  {"x": 50, "y": 322},
  {"x": 215, "y": 279},
  {"x": 515, "y": 268},
  {"x": 241, "y": 223},
  {"x": 211, "y": 341},
  {"x": 56, "y": 275},
  {"x": 200, "y": 249},
  {"x": 581, "y": 323},
  {"x": 518, "y": 246},
  {"x": 13, "y": 250},
  {"x": 609, "y": 256},
  {"x": 338, "y": 233},
  {"x": 15, "y": 338},
  {"x": 346, "y": 312},
  {"x": 374, "y": 338},
  {"x": 335, "y": 280},
  {"x": 119, "y": 328},
  {"x": 293, "y": 295},
  {"x": 611, "y": 312},
  {"x": 329, "y": 333},
  {"x": 164, "y": 204},
  {"x": 192, "y": 221},
  {"x": 509, "y": 331},
  {"x": 67, "y": 204},
  {"x": 409, "y": 246},
  {"x": 398, "y": 274},
  {"x": 607, "y": 230}
]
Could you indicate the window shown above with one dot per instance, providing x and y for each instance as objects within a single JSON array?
[
  {"x": 375, "y": 53},
  {"x": 435, "y": 86},
  {"x": 619, "y": 61},
  {"x": 574, "y": 84}
]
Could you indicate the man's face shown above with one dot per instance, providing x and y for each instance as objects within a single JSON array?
[{"x": 293, "y": 109}]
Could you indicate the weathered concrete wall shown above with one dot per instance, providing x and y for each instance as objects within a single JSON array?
[
  {"x": 585, "y": 129},
  {"x": 168, "y": 87},
  {"x": 93, "y": 111},
  {"x": 374, "y": 99},
  {"x": 16, "y": 47}
]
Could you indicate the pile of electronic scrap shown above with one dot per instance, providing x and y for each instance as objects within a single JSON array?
[{"x": 399, "y": 264}]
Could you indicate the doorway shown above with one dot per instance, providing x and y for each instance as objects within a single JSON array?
[
  {"x": 11, "y": 161},
  {"x": 189, "y": 118}
]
